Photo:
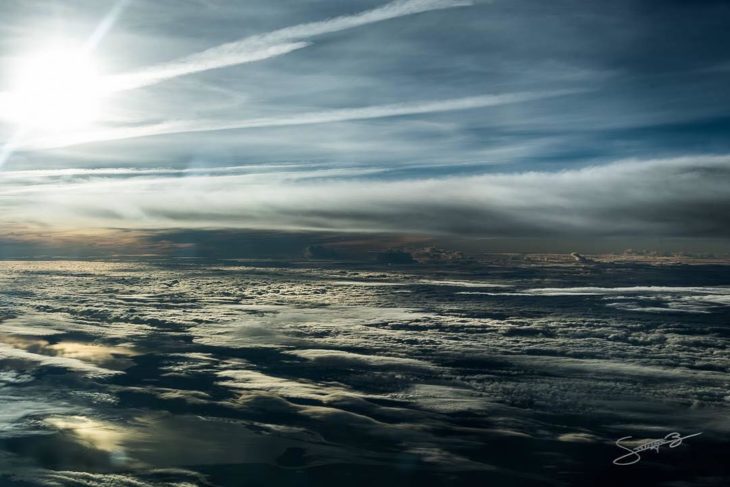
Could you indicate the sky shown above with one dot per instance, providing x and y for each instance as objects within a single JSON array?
[{"x": 481, "y": 120}]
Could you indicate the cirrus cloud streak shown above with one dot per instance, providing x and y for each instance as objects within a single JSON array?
[
  {"x": 272, "y": 44},
  {"x": 308, "y": 118}
]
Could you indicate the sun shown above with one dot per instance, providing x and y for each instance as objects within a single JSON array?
[{"x": 54, "y": 89}]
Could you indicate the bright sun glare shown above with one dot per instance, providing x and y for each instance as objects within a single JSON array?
[{"x": 55, "y": 89}]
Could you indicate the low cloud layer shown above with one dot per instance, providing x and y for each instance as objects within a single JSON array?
[
  {"x": 164, "y": 375},
  {"x": 670, "y": 197},
  {"x": 493, "y": 119}
]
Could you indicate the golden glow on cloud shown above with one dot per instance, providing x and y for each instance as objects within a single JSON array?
[{"x": 91, "y": 432}]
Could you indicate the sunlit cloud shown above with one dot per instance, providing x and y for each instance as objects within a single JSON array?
[
  {"x": 96, "y": 434},
  {"x": 40, "y": 101},
  {"x": 271, "y": 44},
  {"x": 321, "y": 117},
  {"x": 197, "y": 63},
  {"x": 254, "y": 48},
  {"x": 613, "y": 199},
  {"x": 9, "y": 352},
  {"x": 308, "y": 241}
]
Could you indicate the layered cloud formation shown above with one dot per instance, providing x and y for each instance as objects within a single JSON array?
[
  {"x": 653, "y": 197},
  {"x": 439, "y": 117},
  {"x": 153, "y": 373}
]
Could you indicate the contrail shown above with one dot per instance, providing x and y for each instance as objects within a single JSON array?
[
  {"x": 246, "y": 50},
  {"x": 271, "y": 44},
  {"x": 195, "y": 64},
  {"x": 309, "y": 118},
  {"x": 253, "y": 48}
]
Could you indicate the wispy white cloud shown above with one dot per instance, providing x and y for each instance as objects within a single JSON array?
[
  {"x": 8, "y": 352},
  {"x": 320, "y": 117},
  {"x": 271, "y": 44},
  {"x": 196, "y": 63},
  {"x": 254, "y": 48}
]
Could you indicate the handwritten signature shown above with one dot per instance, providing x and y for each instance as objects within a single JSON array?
[{"x": 672, "y": 439}]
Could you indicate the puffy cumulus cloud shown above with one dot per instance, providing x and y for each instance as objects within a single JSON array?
[
  {"x": 578, "y": 437},
  {"x": 239, "y": 364},
  {"x": 159, "y": 478},
  {"x": 276, "y": 325},
  {"x": 342, "y": 359},
  {"x": 32, "y": 325},
  {"x": 17, "y": 409},
  {"x": 253, "y": 381},
  {"x": 647, "y": 299},
  {"x": 446, "y": 399},
  {"x": 667, "y": 197},
  {"x": 8, "y": 353}
]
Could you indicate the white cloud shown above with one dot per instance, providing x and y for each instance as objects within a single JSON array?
[
  {"x": 343, "y": 359},
  {"x": 271, "y": 44},
  {"x": 196, "y": 63},
  {"x": 647, "y": 299},
  {"x": 677, "y": 197},
  {"x": 10, "y": 353},
  {"x": 320, "y": 117},
  {"x": 258, "y": 47}
]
